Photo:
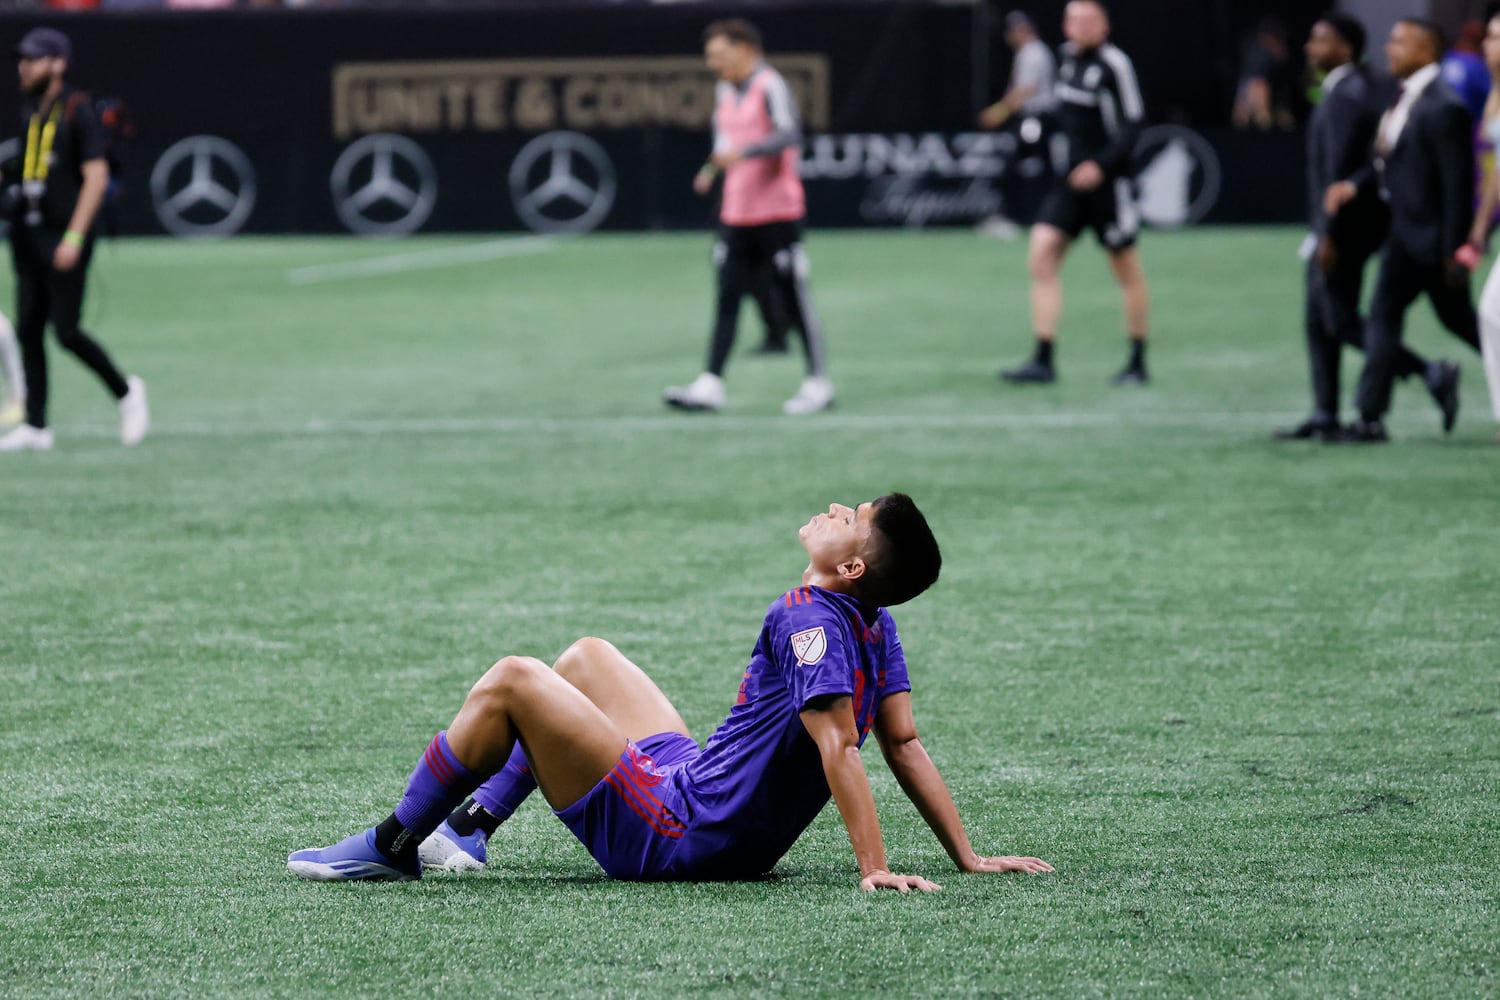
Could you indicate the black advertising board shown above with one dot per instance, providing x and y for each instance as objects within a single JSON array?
[{"x": 563, "y": 119}]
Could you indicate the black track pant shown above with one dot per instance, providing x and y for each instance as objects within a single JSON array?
[
  {"x": 1401, "y": 280},
  {"x": 45, "y": 294},
  {"x": 743, "y": 252},
  {"x": 1333, "y": 320}
]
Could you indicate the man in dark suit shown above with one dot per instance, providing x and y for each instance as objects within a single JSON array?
[
  {"x": 1424, "y": 170},
  {"x": 1339, "y": 138}
]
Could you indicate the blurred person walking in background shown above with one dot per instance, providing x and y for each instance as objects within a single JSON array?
[
  {"x": 757, "y": 145},
  {"x": 1027, "y": 102},
  {"x": 1339, "y": 137},
  {"x": 1263, "y": 99},
  {"x": 13, "y": 389},
  {"x": 1464, "y": 68},
  {"x": 1100, "y": 113},
  {"x": 65, "y": 175},
  {"x": 1489, "y": 299},
  {"x": 1424, "y": 169}
]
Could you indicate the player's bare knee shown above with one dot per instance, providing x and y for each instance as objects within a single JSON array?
[
  {"x": 1042, "y": 265},
  {"x": 501, "y": 682},
  {"x": 584, "y": 655}
]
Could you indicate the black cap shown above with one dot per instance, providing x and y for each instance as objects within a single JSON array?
[{"x": 42, "y": 43}]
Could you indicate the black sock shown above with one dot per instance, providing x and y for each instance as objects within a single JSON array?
[
  {"x": 1043, "y": 352},
  {"x": 394, "y": 840},
  {"x": 1137, "y": 354},
  {"x": 472, "y": 816}
]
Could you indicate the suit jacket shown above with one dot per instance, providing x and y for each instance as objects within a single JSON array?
[
  {"x": 1428, "y": 177},
  {"x": 1340, "y": 138}
]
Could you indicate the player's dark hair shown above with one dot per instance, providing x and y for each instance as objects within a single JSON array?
[
  {"x": 1350, "y": 29},
  {"x": 737, "y": 30},
  {"x": 1434, "y": 32},
  {"x": 906, "y": 559}
]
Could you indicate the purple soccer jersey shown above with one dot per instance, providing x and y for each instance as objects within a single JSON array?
[{"x": 759, "y": 781}]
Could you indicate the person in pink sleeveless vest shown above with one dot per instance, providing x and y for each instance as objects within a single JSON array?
[{"x": 756, "y": 147}]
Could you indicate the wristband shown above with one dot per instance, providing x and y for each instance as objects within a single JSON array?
[
  {"x": 709, "y": 169},
  {"x": 73, "y": 238}
]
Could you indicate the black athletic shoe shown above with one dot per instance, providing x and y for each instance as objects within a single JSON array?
[
  {"x": 1032, "y": 372},
  {"x": 1132, "y": 375},
  {"x": 1445, "y": 393},
  {"x": 1362, "y": 432},
  {"x": 1310, "y": 429}
]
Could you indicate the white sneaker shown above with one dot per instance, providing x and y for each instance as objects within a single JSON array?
[
  {"x": 706, "y": 393},
  {"x": 27, "y": 438},
  {"x": 445, "y": 851},
  {"x": 135, "y": 416},
  {"x": 12, "y": 412},
  {"x": 814, "y": 394}
]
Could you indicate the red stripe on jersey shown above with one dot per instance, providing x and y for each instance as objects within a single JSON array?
[{"x": 788, "y": 598}]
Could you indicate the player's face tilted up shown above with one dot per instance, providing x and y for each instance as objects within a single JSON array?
[{"x": 615, "y": 761}]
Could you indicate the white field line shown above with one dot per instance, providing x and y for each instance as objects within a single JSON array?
[
  {"x": 420, "y": 260},
  {"x": 671, "y": 423}
]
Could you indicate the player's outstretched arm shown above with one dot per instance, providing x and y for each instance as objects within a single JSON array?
[
  {"x": 830, "y": 722},
  {"x": 896, "y": 730}
]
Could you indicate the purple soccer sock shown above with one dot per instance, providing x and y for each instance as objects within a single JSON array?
[
  {"x": 438, "y": 784},
  {"x": 504, "y": 792}
]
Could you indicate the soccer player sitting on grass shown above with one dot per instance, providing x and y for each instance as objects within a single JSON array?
[{"x": 615, "y": 761}]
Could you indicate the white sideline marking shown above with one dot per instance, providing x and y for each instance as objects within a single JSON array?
[
  {"x": 420, "y": 260},
  {"x": 697, "y": 423}
]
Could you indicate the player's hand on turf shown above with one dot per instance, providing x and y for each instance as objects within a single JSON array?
[
  {"x": 1087, "y": 176},
  {"x": 901, "y": 883},
  {"x": 1011, "y": 863}
]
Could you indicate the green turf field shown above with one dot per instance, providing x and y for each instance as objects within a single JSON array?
[{"x": 1245, "y": 696}]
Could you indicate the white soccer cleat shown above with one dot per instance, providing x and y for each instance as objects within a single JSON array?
[
  {"x": 12, "y": 412},
  {"x": 445, "y": 851},
  {"x": 706, "y": 393},
  {"x": 27, "y": 438},
  {"x": 814, "y": 394},
  {"x": 135, "y": 416}
]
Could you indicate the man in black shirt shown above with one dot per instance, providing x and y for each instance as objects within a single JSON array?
[
  {"x": 1100, "y": 113},
  {"x": 64, "y": 178}
]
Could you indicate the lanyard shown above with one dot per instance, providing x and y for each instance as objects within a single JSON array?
[{"x": 39, "y": 153}]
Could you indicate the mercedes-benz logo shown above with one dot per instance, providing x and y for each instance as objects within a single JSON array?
[
  {"x": 384, "y": 185},
  {"x": 1179, "y": 176},
  {"x": 562, "y": 182},
  {"x": 203, "y": 186}
]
